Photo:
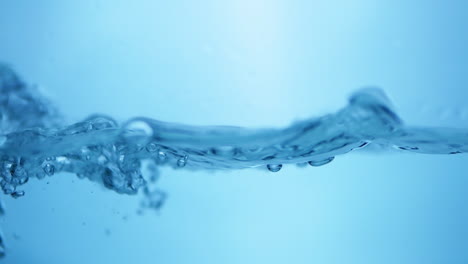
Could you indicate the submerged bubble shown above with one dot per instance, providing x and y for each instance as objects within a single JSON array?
[
  {"x": 161, "y": 157},
  {"x": 182, "y": 162},
  {"x": 317, "y": 163},
  {"x": 49, "y": 169},
  {"x": 51, "y": 158},
  {"x": 99, "y": 122},
  {"x": 101, "y": 150},
  {"x": 139, "y": 126},
  {"x": 151, "y": 147},
  {"x": 274, "y": 167},
  {"x": 152, "y": 199},
  {"x": 153, "y": 172},
  {"x": 7, "y": 187},
  {"x": 17, "y": 194}
]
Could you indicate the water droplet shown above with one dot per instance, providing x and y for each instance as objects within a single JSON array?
[
  {"x": 274, "y": 167},
  {"x": 151, "y": 147},
  {"x": 182, "y": 162},
  {"x": 17, "y": 194},
  {"x": 317, "y": 163},
  {"x": 49, "y": 169}
]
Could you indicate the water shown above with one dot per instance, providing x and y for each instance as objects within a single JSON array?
[
  {"x": 249, "y": 63},
  {"x": 37, "y": 143}
]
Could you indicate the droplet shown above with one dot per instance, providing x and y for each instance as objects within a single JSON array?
[
  {"x": 317, "y": 163},
  {"x": 49, "y": 169},
  {"x": 274, "y": 167},
  {"x": 17, "y": 194},
  {"x": 151, "y": 147},
  {"x": 182, "y": 162}
]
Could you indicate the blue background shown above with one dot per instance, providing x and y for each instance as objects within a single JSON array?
[{"x": 254, "y": 63}]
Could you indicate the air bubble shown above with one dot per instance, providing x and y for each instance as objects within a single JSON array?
[
  {"x": 274, "y": 167},
  {"x": 17, "y": 194},
  {"x": 139, "y": 126},
  {"x": 151, "y": 147},
  {"x": 49, "y": 169},
  {"x": 182, "y": 162},
  {"x": 51, "y": 158},
  {"x": 317, "y": 163},
  {"x": 99, "y": 122},
  {"x": 7, "y": 188},
  {"x": 161, "y": 157},
  {"x": 153, "y": 172},
  {"x": 40, "y": 175}
]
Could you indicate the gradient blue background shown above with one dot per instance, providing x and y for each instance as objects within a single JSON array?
[{"x": 251, "y": 63}]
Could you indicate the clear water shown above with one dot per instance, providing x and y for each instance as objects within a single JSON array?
[
  {"x": 36, "y": 143},
  {"x": 309, "y": 166}
]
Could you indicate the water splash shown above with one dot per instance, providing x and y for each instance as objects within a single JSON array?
[{"x": 35, "y": 143}]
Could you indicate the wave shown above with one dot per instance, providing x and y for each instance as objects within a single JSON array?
[{"x": 35, "y": 142}]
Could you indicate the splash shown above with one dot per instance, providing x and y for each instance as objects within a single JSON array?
[{"x": 34, "y": 143}]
